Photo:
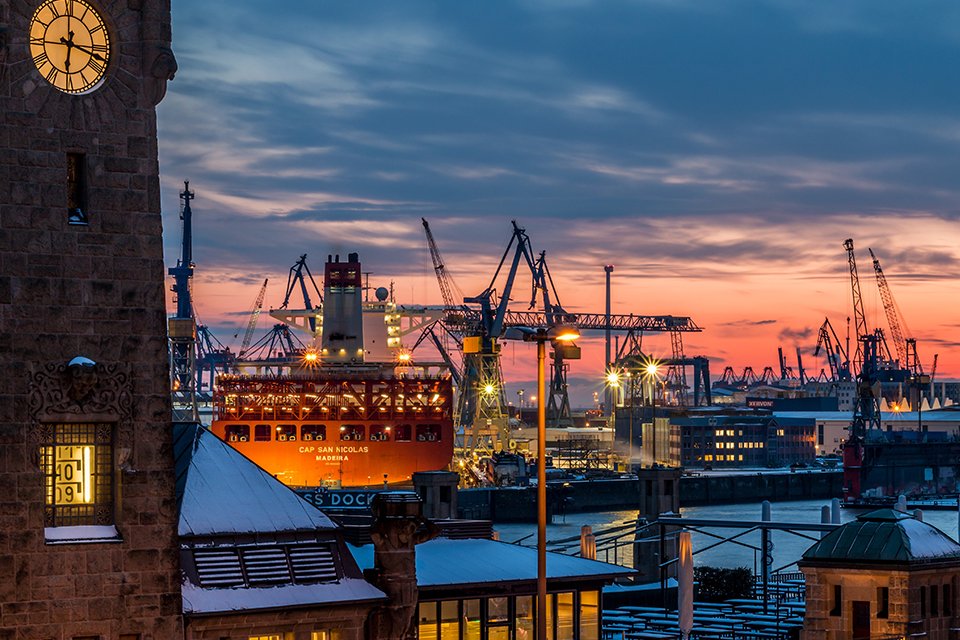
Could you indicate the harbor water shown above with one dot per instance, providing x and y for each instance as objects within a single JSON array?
[{"x": 787, "y": 547}]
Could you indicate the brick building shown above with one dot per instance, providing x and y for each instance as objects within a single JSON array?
[
  {"x": 884, "y": 575},
  {"x": 88, "y": 519}
]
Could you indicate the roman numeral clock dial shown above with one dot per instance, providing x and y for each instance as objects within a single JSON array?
[{"x": 69, "y": 44}]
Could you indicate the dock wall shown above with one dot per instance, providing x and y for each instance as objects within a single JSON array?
[{"x": 518, "y": 504}]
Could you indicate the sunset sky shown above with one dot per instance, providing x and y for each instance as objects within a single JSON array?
[{"x": 717, "y": 153}]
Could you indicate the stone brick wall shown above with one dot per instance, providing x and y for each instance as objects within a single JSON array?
[
  {"x": 904, "y": 618},
  {"x": 95, "y": 291}
]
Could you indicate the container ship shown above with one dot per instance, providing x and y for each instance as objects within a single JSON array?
[{"x": 340, "y": 421}]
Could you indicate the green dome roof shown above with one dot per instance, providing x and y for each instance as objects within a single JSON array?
[{"x": 884, "y": 535}]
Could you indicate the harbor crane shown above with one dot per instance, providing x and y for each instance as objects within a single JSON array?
[
  {"x": 449, "y": 290},
  {"x": 837, "y": 360},
  {"x": 296, "y": 277},
  {"x": 905, "y": 345},
  {"x": 859, "y": 318},
  {"x": 182, "y": 328},
  {"x": 252, "y": 323}
]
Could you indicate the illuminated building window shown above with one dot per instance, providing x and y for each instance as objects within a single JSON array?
[
  {"x": 325, "y": 634},
  {"x": 589, "y": 615},
  {"x": 77, "y": 464}
]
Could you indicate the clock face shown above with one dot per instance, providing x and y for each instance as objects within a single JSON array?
[{"x": 69, "y": 44}]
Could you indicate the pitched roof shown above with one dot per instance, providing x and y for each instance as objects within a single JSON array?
[
  {"x": 444, "y": 562},
  {"x": 198, "y": 600},
  {"x": 886, "y": 536},
  {"x": 221, "y": 492}
]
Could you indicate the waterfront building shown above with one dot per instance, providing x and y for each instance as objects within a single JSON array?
[
  {"x": 832, "y": 426},
  {"x": 752, "y": 440},
  {"x": 884, "y": 575}
]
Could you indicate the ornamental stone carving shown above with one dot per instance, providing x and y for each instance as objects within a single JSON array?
[
  {"x": 80, "y": 390},
  {"x": 159, "y": 67}
]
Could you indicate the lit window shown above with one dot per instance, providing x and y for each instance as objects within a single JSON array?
[
  {"x": 77, "y": 466},
  {"x": 325, "y": 634}
]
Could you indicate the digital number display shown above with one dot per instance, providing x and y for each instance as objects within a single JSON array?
[{"x": 72, "y": 483}]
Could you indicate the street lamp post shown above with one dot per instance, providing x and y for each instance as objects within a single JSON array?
[
  {"x": 651, "y": 372},
  {"x": 542, "y": 336}
]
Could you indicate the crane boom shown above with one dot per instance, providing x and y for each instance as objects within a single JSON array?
[
  {"x": 452, "y": 296},
  {"x": 860, "y": 319},
  {"x": 893, "y": 316},
  {"x": 254, "y": 315}
]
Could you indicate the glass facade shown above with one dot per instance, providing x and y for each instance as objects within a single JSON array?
[{"x": 571, "y": 615}]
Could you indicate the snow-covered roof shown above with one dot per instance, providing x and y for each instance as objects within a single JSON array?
[
  {"x": 221, "y": 492},
  {"x": 348, "y": 590},
  {"x": 887, "y": 536},
  {"x": 445, "y": 563}
]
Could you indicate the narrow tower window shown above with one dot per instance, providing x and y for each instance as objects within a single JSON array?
[{"x": 76, "y": 188}]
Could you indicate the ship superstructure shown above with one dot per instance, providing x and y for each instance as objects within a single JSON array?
[{"x": 340, "y": 420}]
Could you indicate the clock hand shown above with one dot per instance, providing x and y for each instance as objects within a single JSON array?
[
  {"x": 88, "y": 51},
  {"x": 70, "y": 46}
]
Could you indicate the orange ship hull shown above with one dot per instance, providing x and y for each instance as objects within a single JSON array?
[{"x": 337, "y": 431}]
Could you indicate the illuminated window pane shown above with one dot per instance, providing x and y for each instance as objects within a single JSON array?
[
  {"x": 525, "y": 621},
  {"x": 449, "y": 620},
  {"x": 565, "y": 616},
  {"x": 427, "y": 616},
  {"x": 471, "y": 620},
  {"x": 325, "y": 634},
  {"x": 497, "y": 610},
  {"x": 589, "y": 615},
  {"x": 551, "y": 635},
  {"x": 77, "y": 464}
]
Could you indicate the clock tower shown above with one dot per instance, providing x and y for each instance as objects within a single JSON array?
[{"x": 88, "y": 517}]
